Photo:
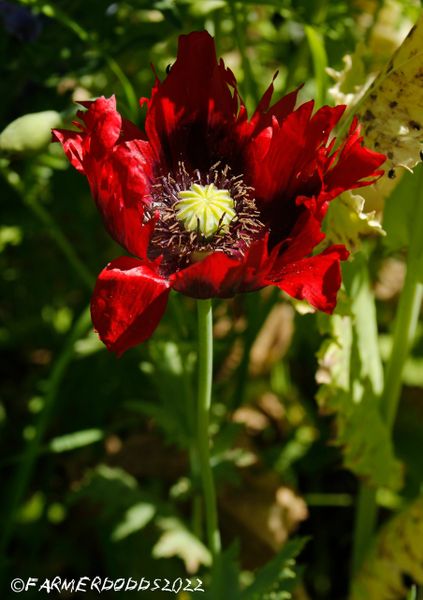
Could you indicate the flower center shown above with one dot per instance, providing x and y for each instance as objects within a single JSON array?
[
  {"x": 199, "y": 213},
  {"x": 205, "y": 208}
]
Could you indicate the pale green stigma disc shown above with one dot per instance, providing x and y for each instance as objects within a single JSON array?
[{"x": 206, "y": 208}]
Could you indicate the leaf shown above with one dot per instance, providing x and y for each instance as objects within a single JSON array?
[
  {"x": 396, "y": 555},
  {"x": 172, "y": 379},
  {"x": 320, "y": 61},
  {"x": 225, "y": 576},
  {"x": 346, "y": 222},
  {"x": 78, "y": 439},
  {"x": 404, "y": 220},
  {"x": 351, "y": 378},
  {"x": 276, "y": 579},
  {"x": 400, "y": 211},
  {"x": 29, "y": 134},
  {"x": 176, "y": 540},
  {"x": 350, "y": 82},
  {"x": 135, "y": 518},
  {"x": 392, "y": 110}
]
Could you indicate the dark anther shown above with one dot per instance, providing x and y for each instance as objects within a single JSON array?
[{"x": 391, "y": 174}]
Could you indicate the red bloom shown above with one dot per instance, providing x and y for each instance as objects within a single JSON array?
[{"x": 209, "y": 202}]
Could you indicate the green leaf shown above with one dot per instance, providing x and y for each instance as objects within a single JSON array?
[
  {"x": 404, "y": 219},
  {"x": 30, "y": 133},
  {"x": 392, "y": 111},
  {"x": 172, "y": 374},
  {"x": 135, "y": 518},
  {"x": 78, "y": 439},
  {"x": 396, "y": 554},
  {"x": 320, "y": 61},
  {"x": 400, "y": 211},
  {"x": 225, "y": 576},
  {"x": 413, "y": 593},
  {"x": 277, "y": 578},
  {"x": 351, "y": 379}
]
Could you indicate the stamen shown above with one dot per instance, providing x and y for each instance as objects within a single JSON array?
[{"x": 200, "y": 213}]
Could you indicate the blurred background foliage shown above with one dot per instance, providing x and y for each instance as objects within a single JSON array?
[{"x": 96, "y": 474}]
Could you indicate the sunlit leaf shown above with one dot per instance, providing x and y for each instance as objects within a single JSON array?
[
  {"x": 320, "y": 61},
  {"x": 135, "y": 518},
  {"x": 78, "y": 439},
  {"x": 347, "y": 223},
  {"x": 177, "y": 540},
  {"x": 392, "y": 111},
  {"x": 350, "y": 375},
  {"x": 350, "y": 82},
  {"x": 30, "y": 133}
]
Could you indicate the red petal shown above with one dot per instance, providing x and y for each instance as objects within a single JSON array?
[
  {"x": 189, "y": 113},
  {"x": 118, "y": 167},
  {"x": 303, "y": 238},
  {"x": 263, "y": 115},
  {"x": 289, "y": 167},
  {"x": 355, "y": 166},
  {"x": 220, "y": 276},
  {"x": 103, "y": 124},
  {"x": 316, "y": 279},
  {"x": 128, "y": 302},
  {"x": 72, "y": 145}
]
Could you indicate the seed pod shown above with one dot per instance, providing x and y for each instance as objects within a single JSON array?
[{"x": 29, "y": 134}]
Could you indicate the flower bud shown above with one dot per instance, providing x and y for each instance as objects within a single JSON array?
[{"x": 29, "y": 134}]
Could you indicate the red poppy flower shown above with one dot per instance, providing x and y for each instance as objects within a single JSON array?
[{"x": 210, "y": 202}]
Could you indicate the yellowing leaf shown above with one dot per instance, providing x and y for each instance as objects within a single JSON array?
[
  {"x": 398, "y": 552},
  {"x": 346, "y": 222},
  {"x": 350, "y": 82},
  {"x": 392, "y": 112},
  {"x": 176, "y": 540}
]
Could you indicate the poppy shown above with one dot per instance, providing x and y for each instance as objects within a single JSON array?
[{"x": 208, "y": 201}]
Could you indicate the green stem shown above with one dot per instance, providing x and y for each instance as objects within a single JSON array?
[
  {"x": 250, "y": 87},
  {"x": 30, "y": 199},
  {"x": 405, "y": 328},
  {"x": 365, "y": 524},
  {"x": 404, "y": 334},
  {"x": 205, "y": 372},
  {"x": 55, "y": 232},
  {"x": 23, "y": 474},
  {"x": 53, "y": 12}
]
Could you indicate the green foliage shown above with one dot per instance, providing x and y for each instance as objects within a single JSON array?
[
  {"x": 351, "y": 381},
  {"x": 30, "y": 133},
  {"x": 397, "y": 554},
  {"x": 275, "y": 581},
  {"x": 403, "y": 210},
  {"x": 96, "y": 469}
]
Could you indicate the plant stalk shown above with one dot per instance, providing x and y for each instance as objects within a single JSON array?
[
  {"x": 404, "y": 333},
  {"x": 205, "y": 373}
]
